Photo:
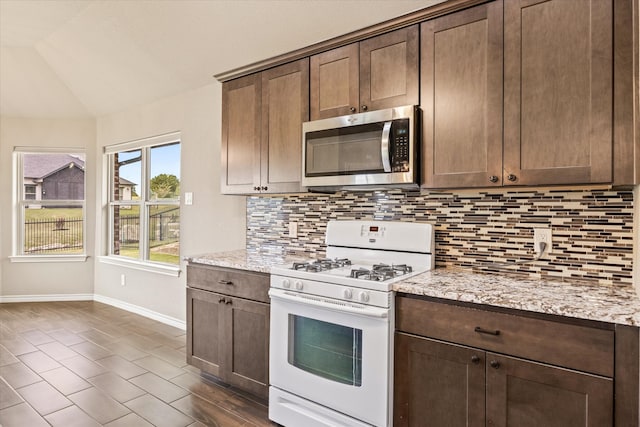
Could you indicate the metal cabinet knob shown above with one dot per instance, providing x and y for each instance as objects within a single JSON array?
[
  {"x": 511, "y": 177},
  {"x": 352, "y": 109},
  {"x": 494, "y": 364},
  {"x": 493, "y": 179},
  {"x": 475, "y": 359},
  {"x": 221, "y": 300},
  {"x": 364, "y": 108},
  {"x": 229, "y": 301}
]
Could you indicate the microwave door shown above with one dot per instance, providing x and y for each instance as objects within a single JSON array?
[{"x": 346, "y": 151}]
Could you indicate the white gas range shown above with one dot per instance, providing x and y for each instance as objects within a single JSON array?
[{"x": 332, "y": 322}]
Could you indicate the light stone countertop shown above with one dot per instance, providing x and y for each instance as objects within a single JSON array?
[
  {"x": 582, "y": 300},
  {"x": 242, "y": 259}
]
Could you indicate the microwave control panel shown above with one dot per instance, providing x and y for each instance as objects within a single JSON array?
[{"x": 400, "y": 151}]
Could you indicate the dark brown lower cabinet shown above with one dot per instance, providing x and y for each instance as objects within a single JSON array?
[
  {"x": 228, "y": 336},
  {"x": 443, "y": 384}
]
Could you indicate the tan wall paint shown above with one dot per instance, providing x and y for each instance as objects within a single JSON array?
[
  {"x": 213, "y": 223},
  {"x": 44, "y": 278}
]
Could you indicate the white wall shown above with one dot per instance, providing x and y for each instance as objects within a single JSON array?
[
  {"x": 213, "y": 223},
  {"x": 34, "y": 279}
]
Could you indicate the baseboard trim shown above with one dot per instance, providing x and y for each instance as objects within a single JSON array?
[
  {"x": 46, "y": 298},
  {"x": 168, "y": 320},
  {"x": 162, "y": 318}
]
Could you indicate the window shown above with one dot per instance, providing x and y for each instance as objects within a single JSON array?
[
  {"x": 144, "y": 200},
  {"x": 50, "y": 208}
]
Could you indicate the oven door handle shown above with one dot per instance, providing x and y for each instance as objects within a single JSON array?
[
  {"x": 335, "y": 305},
  {"x": 384, "y": 147}
]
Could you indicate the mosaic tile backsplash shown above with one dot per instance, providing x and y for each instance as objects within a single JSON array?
[{"x": 484, "y": 231}]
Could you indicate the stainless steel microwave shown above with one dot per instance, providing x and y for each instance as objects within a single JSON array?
[{"x": 372, "y": 149}]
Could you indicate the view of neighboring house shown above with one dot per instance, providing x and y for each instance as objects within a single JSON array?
[{"x": 60, "y": 177}]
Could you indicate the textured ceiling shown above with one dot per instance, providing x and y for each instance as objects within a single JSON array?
[{"x": 84, "y": 58}]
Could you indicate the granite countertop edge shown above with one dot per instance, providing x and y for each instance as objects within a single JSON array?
[{"x": 563, "y": 297}]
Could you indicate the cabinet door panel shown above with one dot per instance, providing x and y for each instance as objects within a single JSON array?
[
  {"x": 334, "y": 82},
  {"x": 437, "y": 384},
  {"x": 527, "y": 394},
  {"x": 461, "y": 99},
  {"x": 558, "y": 91},
  {"x": 285, "y": 105},
  {"x": 389, "y": 69},
  {"x": 203, "y": 330},
  {"x": 241, "y": 115},
  {"x": 247, "y": 329}
]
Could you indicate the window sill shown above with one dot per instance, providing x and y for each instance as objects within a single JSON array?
[
  {"x": 149, "y": 267},
  {"x": 49, "y": 258}
]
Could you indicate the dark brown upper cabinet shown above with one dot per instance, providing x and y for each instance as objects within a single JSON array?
[
  {"x": 461, "y": 93},
  {"x": 262, "y": 117},
  {"x": 376, "y": 73},
  {"x": 558, "y": 100},
  {"x": 558, "y": 95}
]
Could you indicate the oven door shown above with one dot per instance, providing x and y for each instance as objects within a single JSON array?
[{"x": 332, "y": 353}]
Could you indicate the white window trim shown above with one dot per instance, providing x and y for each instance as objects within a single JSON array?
[
  {"x": 19, "y": 202},
  {"x": 144, "y": 145}
]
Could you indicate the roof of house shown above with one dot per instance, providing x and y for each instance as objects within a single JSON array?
[{"x": 40, "y": 166}]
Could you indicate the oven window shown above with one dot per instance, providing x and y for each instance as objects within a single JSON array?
[{"x": 325, "y": 349}]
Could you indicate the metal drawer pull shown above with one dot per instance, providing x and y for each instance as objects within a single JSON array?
[
  {"x": 480, "y": 330},
  {"x": 221, "y": 300},
  {"x": 225, "y": 282}
]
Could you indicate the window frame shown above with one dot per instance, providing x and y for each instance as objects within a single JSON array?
[
  {"x": 20, "y": 202},
  {"x": 145, "y": 202}
]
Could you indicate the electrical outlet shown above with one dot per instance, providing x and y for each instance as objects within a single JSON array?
[
  {"x": 542, "y": 235},
  {"x": 123, "y": 280},
  {"x": 293, "y": 229}
]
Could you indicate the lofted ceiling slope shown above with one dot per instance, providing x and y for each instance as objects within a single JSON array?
[{"x": 88, "y": 58}]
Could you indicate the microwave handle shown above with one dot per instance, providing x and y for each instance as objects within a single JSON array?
[{"x": 384, "y": 147}]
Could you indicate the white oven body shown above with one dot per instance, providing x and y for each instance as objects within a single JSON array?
[{"x": 299, "y": 396}]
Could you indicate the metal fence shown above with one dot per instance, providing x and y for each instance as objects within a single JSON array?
[
  {"x": 65, "y": 235},
  {"x": 53, "y": 235}
]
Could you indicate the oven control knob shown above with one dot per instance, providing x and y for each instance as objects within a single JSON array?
[
  {"x": 364, "y": 296},
  {"x": 286, "y": 283},
  {"x": 348, "y": 294},
  {"x": 299, "y": 285}
]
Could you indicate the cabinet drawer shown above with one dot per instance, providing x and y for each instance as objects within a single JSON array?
[
  {"x": 228, "y": 281},
  {"x": 572, "y": 346}
]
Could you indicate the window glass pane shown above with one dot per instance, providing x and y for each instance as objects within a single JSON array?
[
  {"x": 126, "y": 230},
  {"x": 164, "y": 233},
  {"x": 127, "y": 175},
  {"x": 53, "y": 176},
  {"x": 325, "y": 349},
  {"x": 53, "y": 230},
  {"x": 165, "y": 172}
]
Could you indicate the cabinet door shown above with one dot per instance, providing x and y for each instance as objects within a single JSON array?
[
  {"x": 558, "y": 91},
  {"x": 285, "y": 105},
  {"x": 204, "y": 330},
  {"x": 241, "y": 115},
  {"x": 389, "y": 70},
  {"x": 528, "y": 394},
  {"x": 437, "y": 384},
  {"x": 461, "y": 98},
  {"x": 246, "y": 352},
  {"x": 334, "y": 82}
]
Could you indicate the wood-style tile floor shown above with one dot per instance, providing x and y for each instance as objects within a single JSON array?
[{"x": 90, "y": 364}]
